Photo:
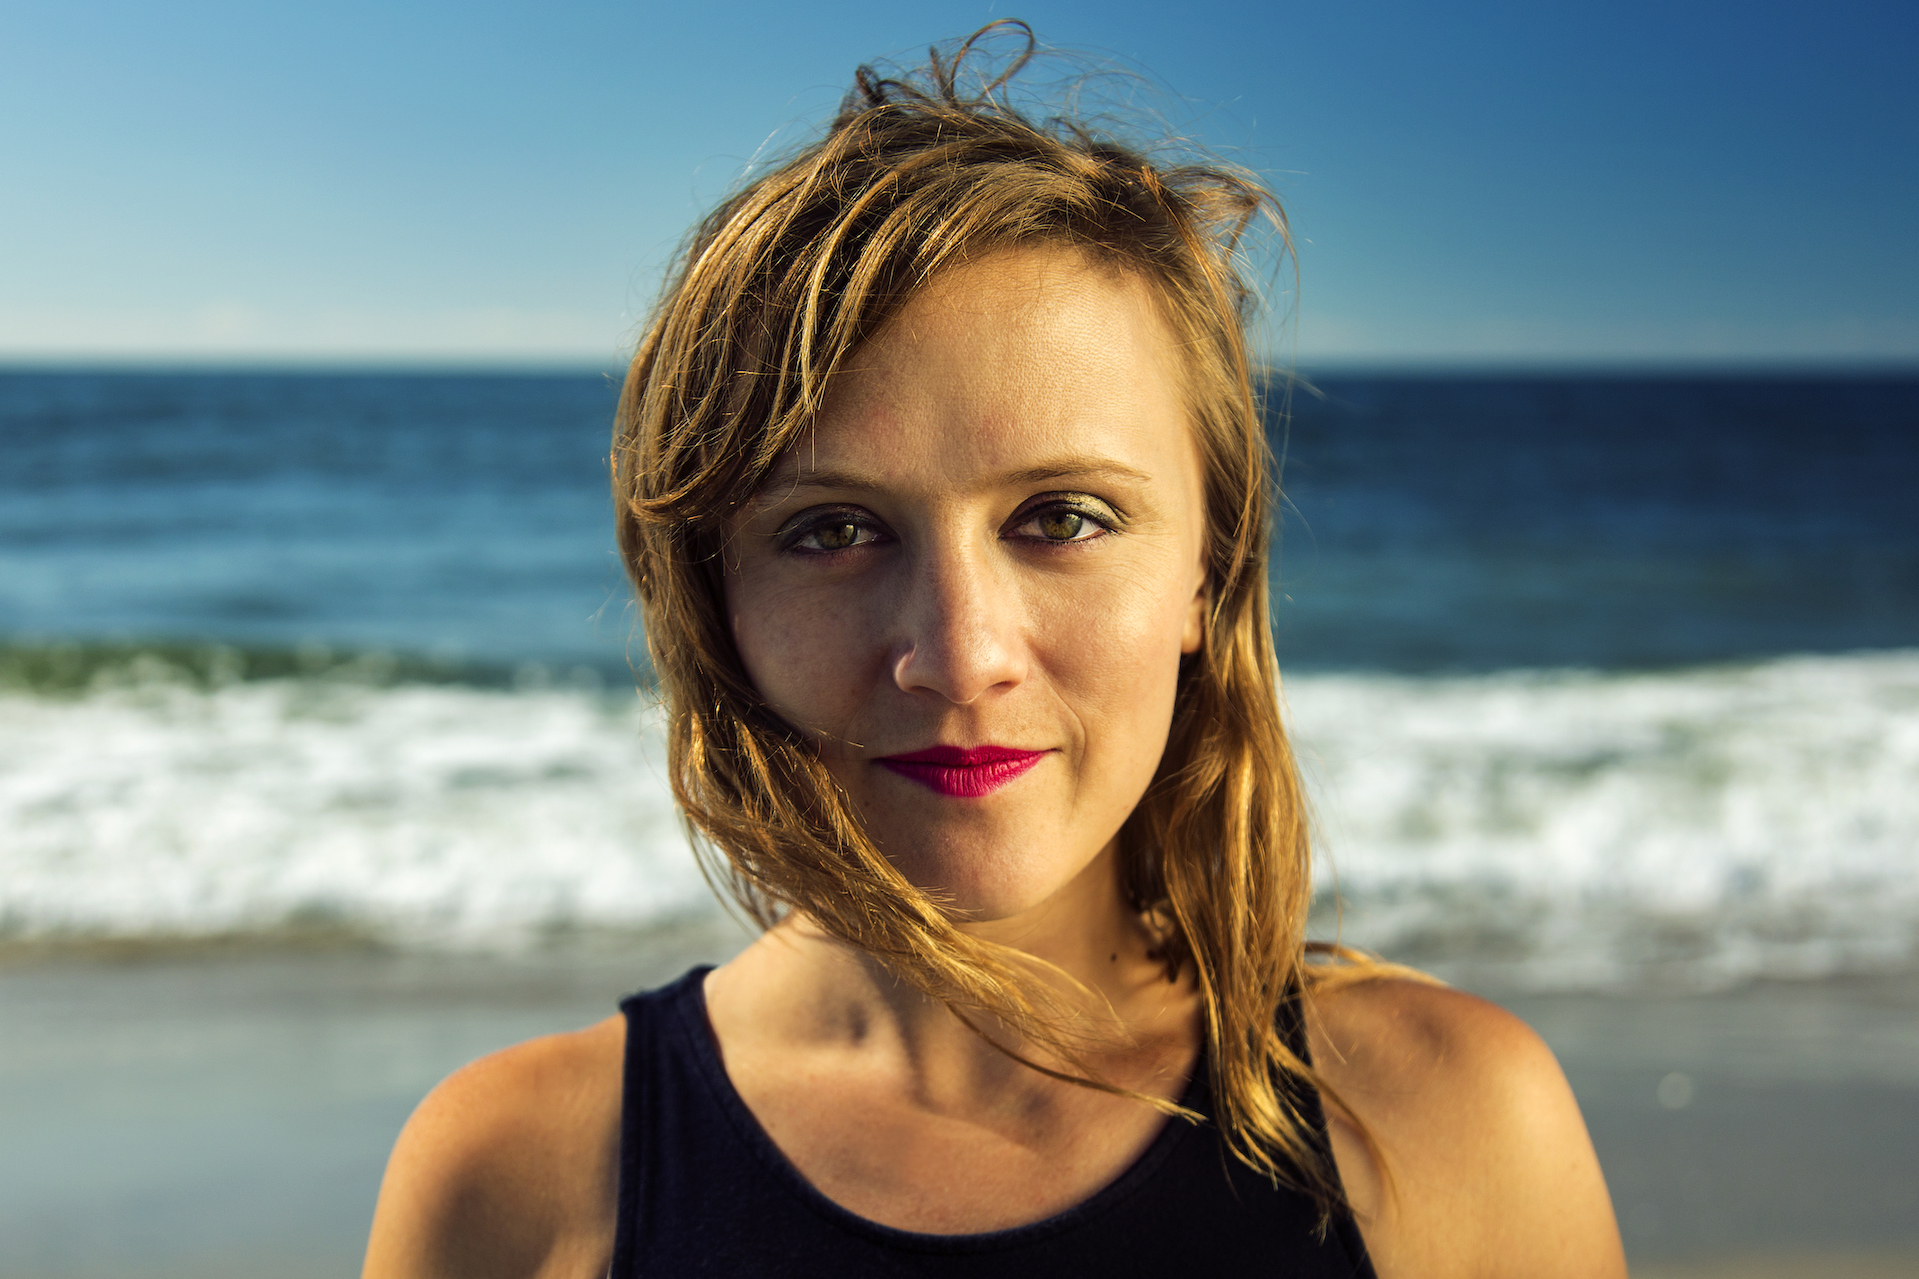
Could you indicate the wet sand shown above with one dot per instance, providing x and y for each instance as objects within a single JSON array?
[
  {"x": 228, "y": 1112},
  {"x": 1769, "y": 1131}
]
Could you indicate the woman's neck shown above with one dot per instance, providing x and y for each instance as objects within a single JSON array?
[{"x": 803, "y": 986}]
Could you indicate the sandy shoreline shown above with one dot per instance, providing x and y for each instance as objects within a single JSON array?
[
  {"x": 229, "y": 1112},
  {"x": 1770, "y": 1130},
  {"x": 1792, "y": 1266}
]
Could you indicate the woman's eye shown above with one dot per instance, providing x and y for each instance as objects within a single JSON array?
[
  {"x": 1063, "y": 524},
  {"x": 832, "y": 535},
  {"x": 836, "y": 537}
]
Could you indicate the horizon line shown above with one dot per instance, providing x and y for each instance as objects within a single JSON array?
[{"x": 1299, "y": 370}]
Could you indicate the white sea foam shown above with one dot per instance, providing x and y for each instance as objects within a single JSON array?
[
  {"x": 1704, "y": 826},
  {"x": 417, "y": 813},
  {"x": 1569, "y": 829}
]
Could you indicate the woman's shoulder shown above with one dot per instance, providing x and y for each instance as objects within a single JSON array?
[
  {"x": 1396, "y": 1031},
  {"x": 509, "y": 1166},
  {"x": 1481, "y": 1162}
]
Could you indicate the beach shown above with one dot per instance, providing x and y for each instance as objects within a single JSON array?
[{"x": 226, "y": 1110}]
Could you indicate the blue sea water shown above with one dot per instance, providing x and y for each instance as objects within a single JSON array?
[
  {"x": 1433, "y": 524},
  {"x": 1600, "y": 680},
  {"x": 1476, "y": 524},
  {"x": 461, "y": 516}
]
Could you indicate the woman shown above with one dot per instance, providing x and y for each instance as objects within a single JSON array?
[{"x": 944, "y": 488}]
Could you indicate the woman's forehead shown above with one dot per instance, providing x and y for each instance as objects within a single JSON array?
[
  {"x": 1011, "y": 363},
  {"x": 1047, "y": 295}
]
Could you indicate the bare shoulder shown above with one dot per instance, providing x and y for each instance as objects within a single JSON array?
[
  {"x": 1393, "y": 1033},
  {"x": 509, "y": 1167},
  {"x": 1487, "y": 1167}
]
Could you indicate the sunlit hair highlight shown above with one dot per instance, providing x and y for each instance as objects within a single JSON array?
[{"x": 772, "y": 293}]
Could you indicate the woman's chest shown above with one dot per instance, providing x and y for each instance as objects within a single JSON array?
[{"x": 885, "y": 1155}]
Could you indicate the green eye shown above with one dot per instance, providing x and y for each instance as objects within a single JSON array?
[
  {"x": 836, "y": 537},
  {"x": 1061, "y": 526}
]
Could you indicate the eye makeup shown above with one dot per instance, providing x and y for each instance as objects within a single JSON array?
[
  {"x": 837, "y": 528},
  {"x": 1051, "y": 506}
]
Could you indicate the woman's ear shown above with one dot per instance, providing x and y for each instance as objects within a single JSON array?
[{"x": 1194, "y": 635}]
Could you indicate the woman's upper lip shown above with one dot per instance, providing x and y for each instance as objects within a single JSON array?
[{"x": 963, "y": 756}]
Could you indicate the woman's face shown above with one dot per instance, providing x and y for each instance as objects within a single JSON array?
[{"x": 973, "y": 581}]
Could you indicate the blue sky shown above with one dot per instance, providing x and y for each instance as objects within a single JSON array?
[{"x": 1559, "y": 183}]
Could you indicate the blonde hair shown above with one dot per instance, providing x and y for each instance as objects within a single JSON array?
[{"x": 771, "y": 294}]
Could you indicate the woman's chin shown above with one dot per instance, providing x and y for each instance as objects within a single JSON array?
[{"x": 988, "y": 890}]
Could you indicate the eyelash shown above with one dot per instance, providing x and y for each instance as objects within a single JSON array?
[{"x": 791, "y": 538}]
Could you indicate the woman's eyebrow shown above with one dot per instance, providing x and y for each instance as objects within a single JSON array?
[
  {"x": 788, "y": 477},
  {"x": 1074, "y": 467}
]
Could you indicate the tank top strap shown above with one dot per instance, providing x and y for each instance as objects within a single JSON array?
[
  {"x": 1311, "y": 1108},
  {"x": 649, "y": 1082}
]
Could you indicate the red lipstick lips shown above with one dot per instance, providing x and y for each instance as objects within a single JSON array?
[{"x": 961, "y": 771}]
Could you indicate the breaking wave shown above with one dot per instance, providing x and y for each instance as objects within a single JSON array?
[
  {"x": 1702, "y": 826},
  {"x": 1553, "y": 829}
]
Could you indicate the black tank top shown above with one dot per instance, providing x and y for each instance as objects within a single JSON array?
[{"x": 704, "y": 1191}]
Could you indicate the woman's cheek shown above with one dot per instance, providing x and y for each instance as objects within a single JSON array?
[
  {"x": 802, "y": 653},
  {"x": 1116, "y": 651}
]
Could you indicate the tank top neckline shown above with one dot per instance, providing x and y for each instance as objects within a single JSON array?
[{"x": 689, "y": 1008}]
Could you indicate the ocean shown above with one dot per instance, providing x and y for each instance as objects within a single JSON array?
[{"x": 1599, "y": 682}]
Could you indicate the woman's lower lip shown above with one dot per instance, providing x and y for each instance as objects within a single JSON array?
[{"x": 965, "y": 781}]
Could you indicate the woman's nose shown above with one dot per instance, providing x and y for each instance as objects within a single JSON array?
[{"x": 959, "y": 628}]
